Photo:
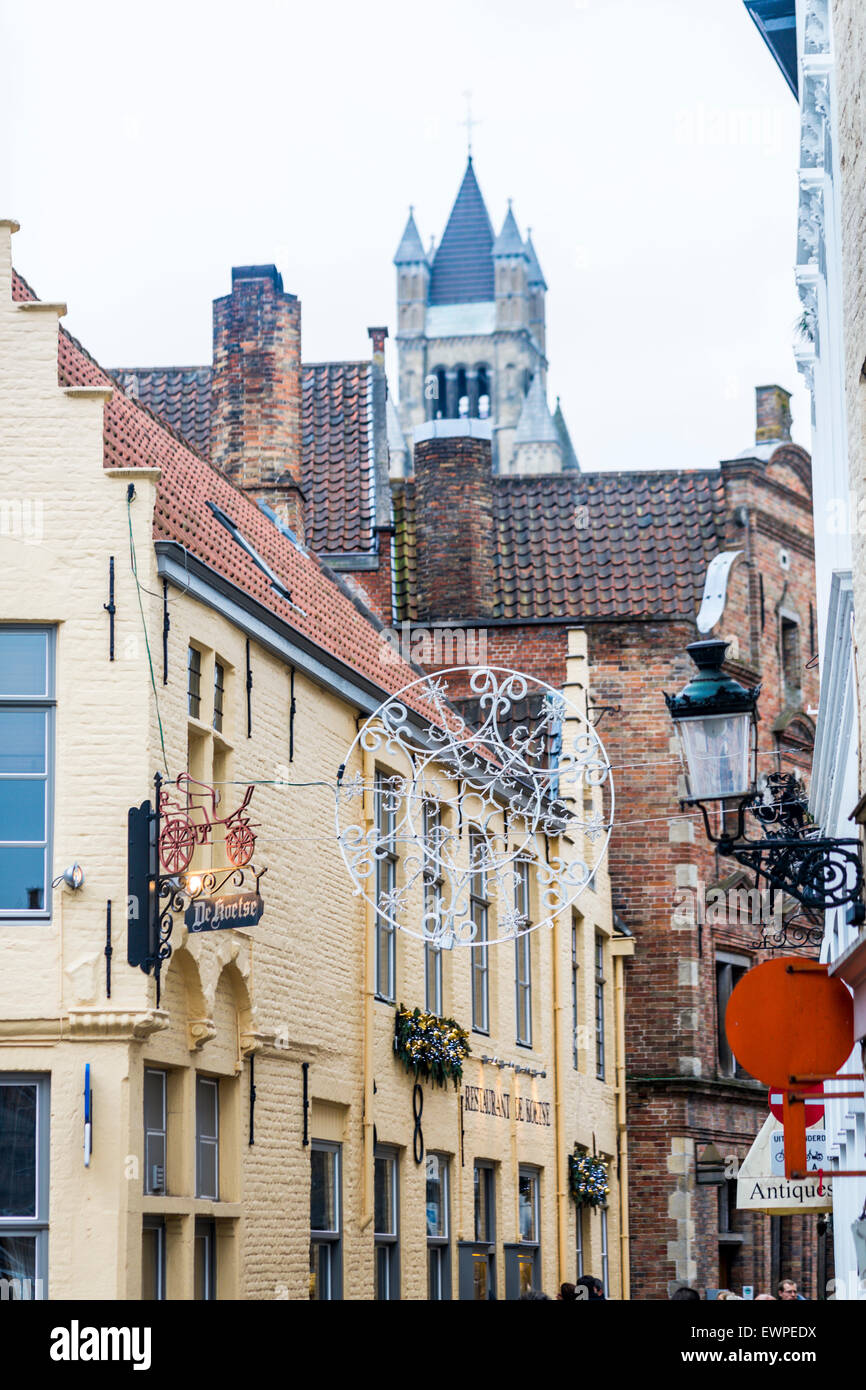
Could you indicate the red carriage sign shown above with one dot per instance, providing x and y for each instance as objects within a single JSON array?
[{"x": 189, "y": 821}]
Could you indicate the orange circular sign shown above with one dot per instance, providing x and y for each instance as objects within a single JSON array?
[{"x": 788, "y": 1017}]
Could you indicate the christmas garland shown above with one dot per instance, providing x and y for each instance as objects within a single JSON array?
[
  {"x": 587, "y": 1180},
  {"x": 430, "y": 1047}
]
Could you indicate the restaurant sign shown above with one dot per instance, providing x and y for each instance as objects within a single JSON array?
[
  {"x": 486, "y": 1101},
  {"x": 217, "y": 914}
]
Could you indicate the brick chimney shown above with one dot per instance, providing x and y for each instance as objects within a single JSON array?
[
  {"x": 256, "y": 391},
  {"x": 773, "y": 414},
  {"x": 454, "y": 520}
]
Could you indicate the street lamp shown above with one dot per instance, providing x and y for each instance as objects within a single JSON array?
[{"x": 716, "y": 721}]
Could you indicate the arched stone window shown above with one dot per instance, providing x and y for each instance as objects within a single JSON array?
[
  {"x": 462, "y": 393},
  {"x": 483, "y": 379}
]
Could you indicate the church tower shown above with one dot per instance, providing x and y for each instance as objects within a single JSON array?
[{"x": 471, "y": 335}]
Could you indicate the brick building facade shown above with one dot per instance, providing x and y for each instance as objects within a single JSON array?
[{"x": 517, "y": 559}]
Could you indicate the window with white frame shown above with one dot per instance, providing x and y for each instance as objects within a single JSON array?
[
  {"x": 24, "y": 1181},
  {"x": 386, "y": 1222},
  {"x": 529, "y": 1216},
  {"x": 599, "y": 1007},
  {"x": 193, "y": 682},
  {"x": 479, "y": 907},
  {"x": 154, "y": 1130},
  {"x": 575, "y": 992},
  {"x": 438, "y": 1228},
  {"x": 153, "y": 1258},
  {"x": 385, "y": 798},
  {"x": 432, "y": 898},
  {"x": 605, "y": 1258},
  {"x": 26, "y": 770},
  {"x": 207, "y": 1137},
  {"x": 730, "y": 969},
  {"x": 523, "y": 957},
  {"x": 326, "y": 1273},
  {"x": 205, "y": 1260}
]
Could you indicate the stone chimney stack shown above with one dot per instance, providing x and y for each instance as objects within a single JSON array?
[
  {"x": 773, "y": 415},
  {"x": 256, "y": 391},
  {"x": 454, "y": 521}
]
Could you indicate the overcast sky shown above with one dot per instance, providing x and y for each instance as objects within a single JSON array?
[{"x": 650, "y": 144}]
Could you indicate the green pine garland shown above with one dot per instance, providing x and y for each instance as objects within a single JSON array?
[
  {"x": 430, "y": 1047},
  {"x": 587, "y": 1180}
]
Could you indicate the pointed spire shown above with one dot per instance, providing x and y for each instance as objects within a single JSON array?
[
  {"x": 411, "y": 248},
  {"x": 509, "y": 242},
  {"x": 535, "y": 425},
  {"x": 535, "y": 276},
  {"x": 569, "y": 457},
  {"x": 463, "y": 264}
]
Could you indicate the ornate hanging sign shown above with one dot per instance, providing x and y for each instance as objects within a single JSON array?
[{"x": 478, "y": 771}]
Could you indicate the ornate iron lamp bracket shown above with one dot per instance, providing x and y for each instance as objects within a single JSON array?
[{"x": 792, "y": 857}]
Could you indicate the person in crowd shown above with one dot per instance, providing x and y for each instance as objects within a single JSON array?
[
  {"x": 589, "y": 1289},
  {"x": 788, "y": 1293},
  {"x": 568, "y": 1293},
  {"x": 683, "y": 1295},
  {"x": 727, "y": 1295},
  {"x": 533, "y": 1296},
  {"x": 760, "y": 1296}
]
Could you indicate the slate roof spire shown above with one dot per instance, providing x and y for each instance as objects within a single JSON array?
[
  {"x": 509, "y": 242},
  {"x": 463, "y": 265},
  {"x": 535, "y": 276},
  {"x": 535, "y": 425},
  {"x": 569, "y": 457},
  {"x": 411, "y": 248}
]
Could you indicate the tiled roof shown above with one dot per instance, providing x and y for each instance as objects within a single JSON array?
[
  {"x": 463, "y": 265},
  {"x": 588, "y": 545},
  {"x": 178, "y": 395},
  {"x": 321, "y": 608},
  {"x": 606, "y": 544},
  {"x": 338, "y": 469},
  {"x": 337, "y": 432}
]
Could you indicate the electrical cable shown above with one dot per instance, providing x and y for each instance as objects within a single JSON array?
[{"x": 134, "y": 566}]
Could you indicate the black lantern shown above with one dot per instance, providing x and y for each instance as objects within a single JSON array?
[{"x": 716, "y": 721}]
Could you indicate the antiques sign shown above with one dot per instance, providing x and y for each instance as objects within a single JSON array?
[
  {"x": 215, "y": 914},
  {"x": 486, "y": 1101}
]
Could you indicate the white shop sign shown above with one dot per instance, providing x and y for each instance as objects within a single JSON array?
[{"x": 816, "y": 1151}]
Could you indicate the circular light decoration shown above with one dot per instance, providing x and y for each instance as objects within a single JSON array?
[{"x": 478, "y": 769}]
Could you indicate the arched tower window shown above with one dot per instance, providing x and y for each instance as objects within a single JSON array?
[
  {"x": 440, "y": 399},
  {"x": 483, "y": 393},
  {"x": 462, "y": 394}
]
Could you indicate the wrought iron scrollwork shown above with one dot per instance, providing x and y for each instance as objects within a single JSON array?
[{"x": 793, "y": 856}]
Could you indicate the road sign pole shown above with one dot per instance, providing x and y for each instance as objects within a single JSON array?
[{"x": 794, "y": 1112}]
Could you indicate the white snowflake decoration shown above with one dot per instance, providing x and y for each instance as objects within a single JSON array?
[{"x": 501, "y": 761}]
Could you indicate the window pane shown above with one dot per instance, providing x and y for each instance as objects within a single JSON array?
[
  {"x": 22, "y": 880},
  {"x": 22, "y": 809},
  {"x": 383, "y": 1271},
  {"x": 23, "y": 663},
  {"x": 323, "y": 1190},
  {"x": 480, "y": 1272},
  {"x": 152, "y": 1254},
  {"x": 207, "y": 1170},
  {"x": 437, "y": 1209},
  {"x": 206, "y": 1108},
  {"x": 484, "y": 1204},
  {"x": 18, "y": 1150},
  {"x": 205, "y": 1261},
  {"x": 320, "y": 1270},
  {"x": 384, "y": 1197},
  {"x": 18, "y": 1261},
  {"x": 154, "y": 1099},
  {"x": 22, "y": 740},
  {"x": 527, "y": 1203}
]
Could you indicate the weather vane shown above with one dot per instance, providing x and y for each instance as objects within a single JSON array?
[{"x": 469, "y": 123}]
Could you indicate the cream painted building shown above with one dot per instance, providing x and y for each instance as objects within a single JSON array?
[{"x": 252, "y": 1134}]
